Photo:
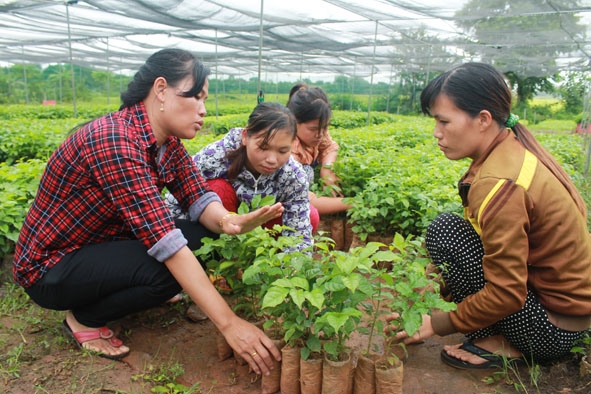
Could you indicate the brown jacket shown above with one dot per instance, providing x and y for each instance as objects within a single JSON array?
[{"x": 534, "y": 237}]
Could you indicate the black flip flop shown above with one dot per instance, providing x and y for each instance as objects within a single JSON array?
[{"x": 493, "y": 360}]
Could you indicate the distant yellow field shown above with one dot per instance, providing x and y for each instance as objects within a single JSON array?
[{"x": 545, "y": 100}]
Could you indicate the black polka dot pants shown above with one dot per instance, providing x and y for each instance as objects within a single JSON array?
[{"x": 456, "y": 248}]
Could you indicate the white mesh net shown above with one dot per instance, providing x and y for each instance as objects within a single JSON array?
[{"x": 343, "y": 37}]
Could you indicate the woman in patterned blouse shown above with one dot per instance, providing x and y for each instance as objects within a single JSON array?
[{"x": 256, "y": 160}]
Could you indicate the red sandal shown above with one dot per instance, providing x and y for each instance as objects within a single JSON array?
[{"x": 81, "y": 337}]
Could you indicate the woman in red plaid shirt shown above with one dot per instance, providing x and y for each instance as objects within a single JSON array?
[{"x": 99, "y": 241}]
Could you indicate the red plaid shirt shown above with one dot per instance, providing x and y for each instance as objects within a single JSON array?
[{"x": 104, "y": 183}]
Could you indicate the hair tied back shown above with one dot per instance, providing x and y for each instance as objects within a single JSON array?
[{"x": 512, "y": 121}]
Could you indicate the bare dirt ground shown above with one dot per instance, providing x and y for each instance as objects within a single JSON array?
[{"x": 171, "y": 354}]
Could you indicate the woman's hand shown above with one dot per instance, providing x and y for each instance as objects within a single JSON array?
[
  {"x": 246, "y": 339},
  {"x": 330, "y": 180},
  {"x": 252, "y": 344},
  {"x": 424, "y": 332},
  {"x": 239, "y": 224}
]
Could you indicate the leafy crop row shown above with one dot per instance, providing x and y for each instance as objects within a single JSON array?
[
  {"x": 18, "y": 185},
  {"x": 52, "y": 111},
  {"x": 392, "y": 173}
]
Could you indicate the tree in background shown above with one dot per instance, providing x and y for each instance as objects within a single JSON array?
[
  {"x": 417, "y": 58},
  {"x": 30, "y": 84},
  {"x": 574, "y": 87},
  {"x": 500, "y": 30},
  {"x": 21, "y": 83}
]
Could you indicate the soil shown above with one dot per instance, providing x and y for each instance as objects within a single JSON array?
[{"x": 174, "y": 355}]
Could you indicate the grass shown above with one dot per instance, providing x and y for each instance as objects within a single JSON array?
[
  {"x": 555, "y": 126},
  {"x": 28, "y": 332},
  {"x": 511, "y": 375},
  {"x": 34, "y": 354}
]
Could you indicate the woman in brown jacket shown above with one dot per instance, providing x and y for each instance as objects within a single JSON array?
[{"x": 518, "y": 265}]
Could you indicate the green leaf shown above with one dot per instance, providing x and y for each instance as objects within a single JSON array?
[
  {"x": 313, "y": 343},
  {"x": 331, "y": 348},
  {"x": 274, "y": 297},
  {"x": 283, "y": 283},
  {"x": 298, "y": 297},
  {"x": 300, "y": 282},
  {"x": 411, "y": 323},
  {"x": 336, "y": 320},
  {"x": 352, "y": 281},
  {"x": 316, "y": 298},
  {"x": 267, "y": 200}
]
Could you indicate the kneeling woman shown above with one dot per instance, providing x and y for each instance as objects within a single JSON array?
[
  {"x": 519, "y": 264},
  {"x": 256, "y": 160},
  {"x": 99, "y": 241}
]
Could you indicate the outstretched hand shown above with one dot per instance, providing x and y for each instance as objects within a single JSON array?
[
  {"x": 424, "y": 332},
  {"x": 252, "y": 344},
  {"x": 239, "y": 224}
]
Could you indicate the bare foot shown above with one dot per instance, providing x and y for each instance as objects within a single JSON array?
[
  {"x": 102, "y": 346},
  {"x": 496, "y": 345}
]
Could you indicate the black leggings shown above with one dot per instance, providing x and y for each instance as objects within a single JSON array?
[
  {"x": 105, "y": 282},
  {"x": 457, "y": 250}
]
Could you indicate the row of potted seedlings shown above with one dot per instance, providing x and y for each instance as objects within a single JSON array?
[{"x": 311, "y": 303}]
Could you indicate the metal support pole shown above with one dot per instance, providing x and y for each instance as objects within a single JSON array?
[
  {"x": 373, "y": 62},
  {"x": 216, "y": 75},
  {"x": 68, "y": 3},
  {"x": 108, "y": 75},
  {"x": 260, "y": 47},
  {"x": 25, "y": 76},
  {"x": 353, "y": 84}
]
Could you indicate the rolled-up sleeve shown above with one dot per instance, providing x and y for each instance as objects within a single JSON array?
[
  {"x": 168, "y": 245},
  {"x": 197, "y": 208}
]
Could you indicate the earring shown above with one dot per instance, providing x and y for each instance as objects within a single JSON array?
[{"x": 162, "y": 106}]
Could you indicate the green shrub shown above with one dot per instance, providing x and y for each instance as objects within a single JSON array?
[
  {"x": 54, "y": 111},
  {"x": 223, "y": 124},
  {"x": 18, "y": 186},
  {"x": 24, "y": 139}
]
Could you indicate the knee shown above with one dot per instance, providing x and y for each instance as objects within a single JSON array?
[
  {"x": 438, "y": 232},
  {"x": 224, "y": 189},
  {"x": 314, "y": 218},
  {"x": 442, "y": 225}
]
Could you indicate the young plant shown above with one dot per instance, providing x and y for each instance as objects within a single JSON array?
[
  {"x": 317, "y": 303},
  {"x": 229, "y": 256},
  {"x": 414, "y": 292},
  {"x": 246, "y": 262},
  {"x": 18, "y": 185},
  {"x": 295, "y": 301},
  {"x": 268, "y": 266},
  {"x": 346, "y": 286},
  {"x": 381, "y": 283}
]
